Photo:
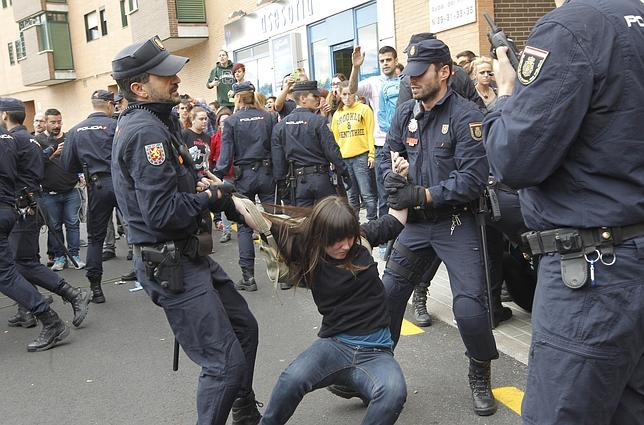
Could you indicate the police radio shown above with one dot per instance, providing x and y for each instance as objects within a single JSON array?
[{"x": 498, "y": 38}]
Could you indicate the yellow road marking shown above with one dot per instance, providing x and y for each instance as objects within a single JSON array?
[
  {"x": 511, "y": 397},
  {"x": 409, "y": 328}
]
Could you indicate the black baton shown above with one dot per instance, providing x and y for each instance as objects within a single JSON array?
[{"x": 175, "y": 356}]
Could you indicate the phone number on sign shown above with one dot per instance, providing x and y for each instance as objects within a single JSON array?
[{"x": 453, "y": 16}]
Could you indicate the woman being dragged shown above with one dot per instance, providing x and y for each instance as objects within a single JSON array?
[{"x": 325, "y": 251}]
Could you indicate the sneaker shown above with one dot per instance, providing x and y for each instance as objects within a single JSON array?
[
  {"x": 224, "y": 238},
  {"x": 82, "y": 242},
  {"x": 59, "y": 264},
  {"x": 81, "y": 264}
]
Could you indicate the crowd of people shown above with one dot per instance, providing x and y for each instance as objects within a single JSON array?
[{"x": 453, "y": 161}]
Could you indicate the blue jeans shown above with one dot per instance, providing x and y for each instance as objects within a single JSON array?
[
  {"x": 358, "y": 167},
  {"x": 63, "y": 208},
  {"x": 372, "y": 372}
]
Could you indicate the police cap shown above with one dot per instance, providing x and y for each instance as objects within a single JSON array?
[
  {"x": 118, "y": 97},
  {"x": 148, "y": 56},
  {"x": 416, "y": 38},
  {"x": 103, "y": 95},
  {"x": 11, "y": 104},
  {"x": 243, "y": 86},
  {"x": 308, "y": 85},
  {"x": 424, "y": 53}
]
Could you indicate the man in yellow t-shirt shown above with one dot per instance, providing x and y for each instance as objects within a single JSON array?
[{"x": 352, "y": 126}]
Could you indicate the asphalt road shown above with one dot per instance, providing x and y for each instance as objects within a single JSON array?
[{"x": 116, "y": 368}]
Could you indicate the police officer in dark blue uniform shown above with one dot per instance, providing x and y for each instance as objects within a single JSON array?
[
  {"x": 570, "y": 137},
  {"x": 24, "y": 238},
  {"x": 170, "y": 229},
  {"x": 12, "y": 284},
  {"x": 88, "y": 150},
  {"x": 440, "y": 133},
  {"x": 303, "y": 147},
  {"x": 246, "y": 142}
]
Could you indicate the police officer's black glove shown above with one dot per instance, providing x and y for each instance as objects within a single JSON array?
[
  {"x": 410, "y": 196},
  {"x": 394, "y": 182},
  {"x": 402, "y": 194},
  {"x": 220, "y": 199},
  {"x": 346, "y": 181},
  {"x": 224, "y": 188}
]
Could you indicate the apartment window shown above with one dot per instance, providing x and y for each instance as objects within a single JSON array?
[
  {"x": 101, "y": 14},
  {"x": 91, "y": 26},
  {"x": 133, "y": 5},
  {"x": 4, "y": 4},
  {"x": 123, "y": 14},
  {"x": 21, "y": 52},
  {"x": 12, "y": 58}
]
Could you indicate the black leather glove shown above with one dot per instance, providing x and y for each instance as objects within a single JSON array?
[
  {"x": 224, "y": 188},
  {"x": 346, "y": 181},
  {"x": 410, "y": 196},
  {"x": 221, "y": 196},
  {"x": 402, "y": 194},
  {"x": 394, "y": 182}
]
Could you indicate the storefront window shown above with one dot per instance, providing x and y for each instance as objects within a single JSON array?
[
  {"x": 368, "y": 39},
  {"x": 330, "y": 51},
  {"x": 257, "y": 62},
  {"x": 321, "y": 69}
]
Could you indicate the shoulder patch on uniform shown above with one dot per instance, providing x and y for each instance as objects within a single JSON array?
[
  {"x": 155, "y": 153},
  {"x": 476, "y": 131},
  {"x": 530, "y": 64}
]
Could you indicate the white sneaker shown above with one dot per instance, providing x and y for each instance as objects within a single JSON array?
[
  {"x": 81, "y": 264},
  {"x": 59, "y": 264}
]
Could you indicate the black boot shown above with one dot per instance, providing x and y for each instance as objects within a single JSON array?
[
  {"x": 347, "y": 392},
  {"x": 419, "y": 301},
  {"x": 481, "y": 386},
  {"x": 97, "y": 292},
  {"x": 247, "y": 282},
  {"x": 79, "y": 299},
  {"x": 129, "y": 277},
  {"x": 53, "y": 331},
  {"x": 245, "y": 410},
  {"x": 501, "y": 314},
  {"x": 23, "y": 318}
]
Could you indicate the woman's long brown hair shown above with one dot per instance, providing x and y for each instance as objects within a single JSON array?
[{"x": 305, "y": 234}]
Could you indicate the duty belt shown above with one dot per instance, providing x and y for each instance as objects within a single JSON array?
[
  {"x": 568, "y": 240},
  {"x": 434, "y": 214},
  {"x": 581, "y": 248},
  {"x": 257, "y": 165},
  {"x": 178, "y": 244},
  {"x": 313, "y": 169}
]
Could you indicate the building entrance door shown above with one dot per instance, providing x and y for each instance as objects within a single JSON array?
[{"x": 341, "y": 54}]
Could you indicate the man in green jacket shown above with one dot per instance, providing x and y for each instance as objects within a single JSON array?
[{"x": 221, "y": 76}]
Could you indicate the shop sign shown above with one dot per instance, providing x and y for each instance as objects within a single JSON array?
[
  {"x": 448, "y": 14},
  {"x": 281, "y": 17},
  {"x": 285, "y": 17}
]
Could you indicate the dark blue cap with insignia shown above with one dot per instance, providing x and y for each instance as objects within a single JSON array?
[
  {"x": 11, "y": 104},
  {"x": 243, "y": 86},
  {"x": 118, "y": 97},
  {"x": 416, "y": 38},
  {"x": 103, "y": 95},
  {"x": 148, "y": 56},
  {"x": 424, "y": 53},
  {"x": 308, "y": 85}
]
